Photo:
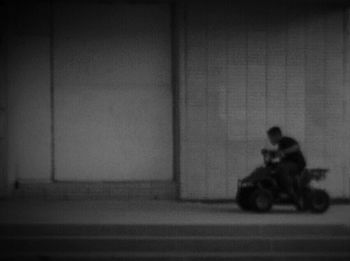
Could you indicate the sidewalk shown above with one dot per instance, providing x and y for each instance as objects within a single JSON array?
[{"x": 157, "y": 212}]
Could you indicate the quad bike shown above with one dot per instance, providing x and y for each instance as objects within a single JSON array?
[{"x": 260, "y": 190}]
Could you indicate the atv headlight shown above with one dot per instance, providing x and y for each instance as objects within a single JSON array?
[{"x": 246, "y": 184}]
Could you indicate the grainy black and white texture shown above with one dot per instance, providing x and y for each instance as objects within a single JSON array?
[
  {"x": 112, "y": 110},
  {"x": 169, "y": 95}
]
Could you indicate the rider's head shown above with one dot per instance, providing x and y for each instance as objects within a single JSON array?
[{"x": 274, "y": 134}]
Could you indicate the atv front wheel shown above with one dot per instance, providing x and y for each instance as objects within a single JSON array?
[
  {"x": 243, "y": 198},
  {"x": 261, "y": 200}
]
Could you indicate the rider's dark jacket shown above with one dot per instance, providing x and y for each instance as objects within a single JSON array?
[{"x": 295, "y": 157}]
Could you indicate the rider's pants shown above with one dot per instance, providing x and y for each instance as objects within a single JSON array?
[{"x": 286, "y": 173}]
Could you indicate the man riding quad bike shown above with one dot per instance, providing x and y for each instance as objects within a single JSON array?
[{"x": 282, "y": 179}]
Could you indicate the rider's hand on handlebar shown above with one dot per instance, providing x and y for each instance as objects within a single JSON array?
[{"x": 280, "y": 154}]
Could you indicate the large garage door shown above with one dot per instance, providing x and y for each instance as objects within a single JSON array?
[{"x": 112, "y": 92}]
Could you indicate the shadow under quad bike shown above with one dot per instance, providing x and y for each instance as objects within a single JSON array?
[{"x": 260, "y": 190}]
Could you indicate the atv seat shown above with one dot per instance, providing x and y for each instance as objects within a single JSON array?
[
  {"x": 310, "y": 174},
  {"x": 317, "y": 174}
]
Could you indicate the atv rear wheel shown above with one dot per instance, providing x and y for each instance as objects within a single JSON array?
[
  {"x": 261, "y": 200},
  {"x": 317, "y": 200}
]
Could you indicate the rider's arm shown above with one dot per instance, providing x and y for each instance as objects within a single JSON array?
[{"x": 291, "y": 149}]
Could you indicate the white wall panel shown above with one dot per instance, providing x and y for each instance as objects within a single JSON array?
[
  {"x": 236, "y": 97},
  {"x": 315, "y": 88},
  {"x": 334, "y": 107},
  {"x": 217, "y": 95},
  {"x": 3, "y": 103},
  {"x": 346, "y": 103},
  {"x": 256, "y": 84},
  {"x": 112, "y": 70},
  {"x": 276, "y": 66},
  {"x": 195, "y": 156},
  {"x": 271, "y": 65},
  {"x": 244, "y": 70},
  {"x": 295, "y": 73}
]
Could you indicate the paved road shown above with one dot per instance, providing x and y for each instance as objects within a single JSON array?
[{"x": 157, "y": 212}]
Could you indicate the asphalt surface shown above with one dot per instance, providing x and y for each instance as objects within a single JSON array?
[{"x": 157, "y": 212}]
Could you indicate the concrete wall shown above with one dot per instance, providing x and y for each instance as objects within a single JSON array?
[
  {"x": 89, "y": 92},
  {"x": 250, "y": 66},
  {"x": 242, "y": 67},
  {"x": 28, "y": 74},
  {"x": 3, "y": 107},
  {"x": 112, "y": 91},
  {"x": 347, "y": 95}
]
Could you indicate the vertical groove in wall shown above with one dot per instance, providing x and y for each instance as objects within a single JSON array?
[
  {"x": 206, "y": 98},
  {"x": 347, "y": 86},
  {"x": 245, "y": 18},
  {"x": 52, "y": 90},
  {"x": 185, "y": 96},
  {"x": 267, "y": 27},
  {"x": 174, "y": 45},
  {"x": 265, "y": 19},
  {"x": 304, "y": 71},
  {"x": 6, "y": 81},
  {"x": 346, "y": 98},
  {"x": 286, "y": 103},
  {"x": 328, "y": 137},
  {"x": 307, "y": 81},
  {"x": 227, "y": 140},
  {"x": 3, "y": 106},
  {"x": 182, "y": 80},
  {"x": 324, "y": 91},
  {"x": 306, "y": 47},
  {"x": 324, "y": 101},
  {"x": 343, "y": 103},
  {"x": 183, "y": 103},
  {"x": 324, "y": 87},
  {"x": 342, "y": 127}
]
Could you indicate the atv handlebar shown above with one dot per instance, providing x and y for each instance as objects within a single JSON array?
[{"x": 270, "y": 156}]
